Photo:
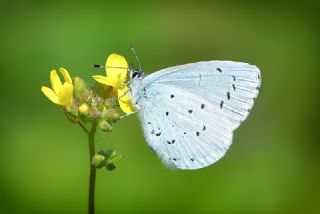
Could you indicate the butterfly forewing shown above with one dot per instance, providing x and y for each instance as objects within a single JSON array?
[{"x": 189, "y": 112}]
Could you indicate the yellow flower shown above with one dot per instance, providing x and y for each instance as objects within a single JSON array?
[
  {"x": 62, "y": 93},
  {"x": 84, "y": 109},
  {"x": 117, "y": 69},
  {"x": 125, "y": 101}
]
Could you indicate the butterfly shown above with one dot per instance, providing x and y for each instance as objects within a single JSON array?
[{"x": 189, "y": 112}]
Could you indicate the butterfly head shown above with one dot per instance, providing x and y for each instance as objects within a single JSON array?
[{"x": 134, "y": 74}]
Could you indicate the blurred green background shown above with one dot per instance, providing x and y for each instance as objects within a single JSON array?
[{"x": 273, "y": 164}]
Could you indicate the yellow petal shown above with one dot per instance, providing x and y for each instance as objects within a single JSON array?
[
  {"x": 84, "y": 108},
  {"x": 55, "y": 81},
  {"x": 66, "y": 75},
  {"x": 125, "y": 101},
  {"x": 65, "y": 94},
  {"x": 113, "y": 81},
  {"x": 49, "y": 93},
  {"x": 115, "y": 60}
]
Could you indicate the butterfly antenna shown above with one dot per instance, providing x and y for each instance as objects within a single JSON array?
[
  {"x": 134, "y": 52},
  {"x": 98, "y": 66},
  {"x": 102, "y": 66}
]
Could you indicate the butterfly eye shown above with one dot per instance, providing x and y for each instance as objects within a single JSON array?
[{"x": 135, "y": 74}]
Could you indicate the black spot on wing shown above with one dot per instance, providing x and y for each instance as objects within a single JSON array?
[
  {"x": 234, "y": 87},
  {"x": 171, "y": 142},
  {"x": 228, "y": 95},
  {"x": 197, "y": 133},
  {"x": 167, "y": 113},
  {"x": 234, "y": 78},
  {"x": 221, "y": 104},
  {"x": 219, "y": 69},
  {"x": 204, "y": 128},
  {"x": 190, "y": 111},
  {"x": 202, "y": 106},
  {"x": 171, "y": 96},
  {"x": 158, "y": 134}
]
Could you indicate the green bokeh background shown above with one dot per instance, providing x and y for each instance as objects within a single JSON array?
[{"x": 273, "y": 164}]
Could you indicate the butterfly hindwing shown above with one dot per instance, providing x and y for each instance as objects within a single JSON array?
[{"x": 185, "y": 136}]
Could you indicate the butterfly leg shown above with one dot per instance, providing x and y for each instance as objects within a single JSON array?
[
  {"x": 124, "y": 116},
  {"x": 128, "y": 83},
  {"x": 124, "y": 94}
]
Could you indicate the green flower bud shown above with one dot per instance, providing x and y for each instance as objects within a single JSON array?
[
  {"x": 80, "y": 89},
  {"x": 110, "y": 166},
  {"x": 105, "y": 153},
  {"x": 110, "y": 114},
  {"x": 88, "y": 96},
  {"x": 109, "y": 102},
  {"x": 111, "y": 157},
  {"x": 72, "y": 113},
  {"x": 98, "y": 161},
  {"x": 105, "y": 126},
  {"x": 94, "y": 114},
  {"x": 97, "y": 102}
]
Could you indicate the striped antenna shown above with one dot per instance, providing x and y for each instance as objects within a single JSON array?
[
  {"x": 134, "y": 52},
  {"x": 98, "y": 66},
  {"x": 101, "y": 66}
]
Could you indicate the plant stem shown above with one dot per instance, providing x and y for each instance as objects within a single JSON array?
[
  {"x": 83, "y": 127},
  {"x": 92, "y": 180}
]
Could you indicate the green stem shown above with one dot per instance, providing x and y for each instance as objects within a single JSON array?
[
  {"x": 83, "y": 127},
  {"x": 92, "y": 180}
]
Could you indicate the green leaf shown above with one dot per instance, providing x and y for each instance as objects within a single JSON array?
[{"x": 114, "y": 158}]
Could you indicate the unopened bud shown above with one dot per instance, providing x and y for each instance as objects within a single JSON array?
[
  {"x": 94, "y": 114},
  {"x": 96, "y": 101},
  {"x": 110, "y": 158},
  {"x": 111, "y": 114},
  {"x": 80, "y": 88},
  {"x": 98, "y": 161},
  {"x": 110, "y": 166},
  {"x": 84, "y": 109},
  {"x": 105, "y": 126},
  {"x": 72, "y": 113},
  {"x": 109, "y": 102}
]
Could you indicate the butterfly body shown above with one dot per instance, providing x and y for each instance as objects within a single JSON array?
[{"x": 189, "y": 112}]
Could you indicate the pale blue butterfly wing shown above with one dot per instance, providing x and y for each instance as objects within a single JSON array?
[{"x": 189, "y": 112}]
